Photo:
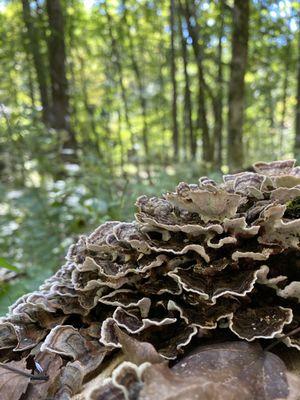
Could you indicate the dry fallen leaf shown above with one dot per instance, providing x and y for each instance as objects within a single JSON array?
[
  {"x": 262, "y": 374},
  {"x": 226, "y": 371},
  {"x": 13, "y": 384},
  {"x": 51, "y": 365}
]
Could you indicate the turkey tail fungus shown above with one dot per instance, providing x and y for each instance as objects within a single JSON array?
[{"x": 177, "y": 304}]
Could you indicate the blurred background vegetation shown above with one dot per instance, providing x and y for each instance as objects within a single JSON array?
[{"x": 102, "y": 101}]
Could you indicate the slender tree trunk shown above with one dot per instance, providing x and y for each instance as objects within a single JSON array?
[
  {"x": 108, "y": 140},
  {"x": 73, "y": 84},
  {"x": 60, "y": 110},
  {"x": 74, "y": 100},
  {"x": 162, "y": 104},
  {"x": 270, "y": 140},
  {"x": 284, "y": 97},
  {"x": 271, "y": 106},
  {"x": 30, "y": 80},
  {"x": 118, "y": 63},
  {"x": 218, "y": 128},
  {"x": 174, "y": 82},
  {"x": 141, "y": 92},
  {"x": 188, "y": 122},
  {"x": 89, "y": 108},
  {"x": 188, "y": 10},
  {"x": 33, "y": 46},
  {"x": 122, "y": 158},
  {"x": 240, "y": 35},
  {"x": 297, "y": 108}
]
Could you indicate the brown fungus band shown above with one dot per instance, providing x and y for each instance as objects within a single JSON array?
[{"x": 204, "y": 259}]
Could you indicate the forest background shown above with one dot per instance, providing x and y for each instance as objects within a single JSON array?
[{"x": 103, "y": 101}]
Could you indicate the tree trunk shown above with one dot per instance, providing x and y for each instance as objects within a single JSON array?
[
  {"x": 118, "y": 64},
  {"x": 174, "y": 82},
  {"x": 122, "y": 158},
  {"x": 120, "y": 77},
  {"x": 89, "y": 108},
  {"x": 141, "y": 92},
  {"x": 32, "y": 46},
  {"x": 218, "y": 128},
  {"x": 240, "y": 35},
  {"x": 30, "y": 80},
  {"x": 284, "y": 97},
  {"x": 60, "y": 110},
  {"x": 164, "y": 121},
  {"x": 297, "y": 109},
  {"x": 188, "y": 10},
  {"x": 188, "y": 122}
]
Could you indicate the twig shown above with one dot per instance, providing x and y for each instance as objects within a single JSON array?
[
  {"x": 293, "y": 332},
  {"x": 27, "y": 374}
]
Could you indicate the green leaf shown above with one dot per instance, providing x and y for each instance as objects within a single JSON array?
[{"x": 5, "y": 264}]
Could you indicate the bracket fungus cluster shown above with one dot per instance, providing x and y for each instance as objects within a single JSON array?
[{"x": 205, "y": 259}]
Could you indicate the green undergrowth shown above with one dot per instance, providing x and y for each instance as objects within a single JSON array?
[{"x": 38, "y": 224}]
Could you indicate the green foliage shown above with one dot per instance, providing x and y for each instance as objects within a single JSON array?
[
  {"x": 5, "y": 264},
  {"x": 97, "y": 103},
  {"x": 38, "y": 224}
]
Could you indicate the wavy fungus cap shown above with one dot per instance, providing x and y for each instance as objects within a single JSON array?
[{"x": 205, "y": 260}]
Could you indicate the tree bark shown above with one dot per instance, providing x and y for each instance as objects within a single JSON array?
[
  {"x": 33, "y": 46},
  {"x": 218, "y": 128},
  {"x": 240, "y": 35},
  {"x": 60, "y": 110},
  {"x": 188, "y": 122},
  {"x": 297, "y": 108},
  {"x": 174, "y": 82}
]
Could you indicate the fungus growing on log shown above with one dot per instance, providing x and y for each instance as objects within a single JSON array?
[{"x": 203, "y": 262}]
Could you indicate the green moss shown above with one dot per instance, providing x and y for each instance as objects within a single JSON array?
[{"x": 293, "y": 208}]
